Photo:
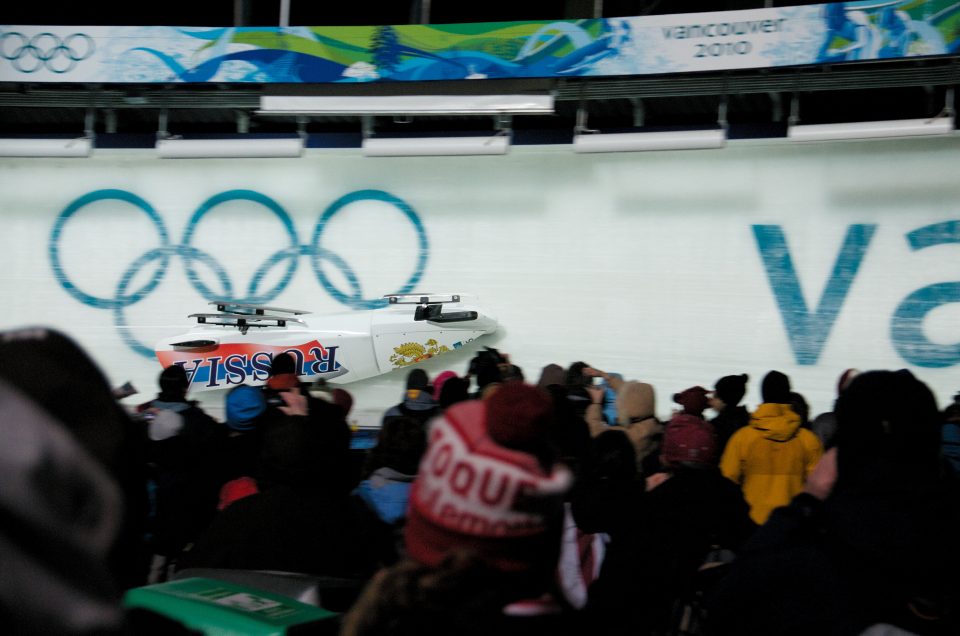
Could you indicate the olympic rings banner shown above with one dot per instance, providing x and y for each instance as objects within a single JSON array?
[
  {"x": 814, "y": 34},
  {"x": 672, "y": 267}
]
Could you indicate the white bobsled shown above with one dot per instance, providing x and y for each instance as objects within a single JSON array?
[{"x": 236, "y": 344}]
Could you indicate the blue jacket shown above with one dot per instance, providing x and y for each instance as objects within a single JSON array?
[{"x": 386, "y": 492}]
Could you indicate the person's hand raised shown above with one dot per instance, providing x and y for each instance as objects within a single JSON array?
[
  {"x": 824, "y": 476},
  {"x": 296, "y": 403}
]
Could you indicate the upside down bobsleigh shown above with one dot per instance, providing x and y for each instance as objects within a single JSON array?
[{"x": 236, "y": 344}]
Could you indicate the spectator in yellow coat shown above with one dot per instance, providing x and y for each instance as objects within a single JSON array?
[{"x": 771, "y": 458}]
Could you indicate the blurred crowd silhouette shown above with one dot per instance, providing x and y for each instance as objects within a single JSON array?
[{"x": 489, "y": 503}]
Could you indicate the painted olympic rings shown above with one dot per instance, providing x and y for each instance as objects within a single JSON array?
[
  {"x": 45, "y": 50},
  {"x": 287, "y": 256}
]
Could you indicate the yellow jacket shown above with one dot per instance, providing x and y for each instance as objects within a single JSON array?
[{"x": 770, "y": 458}]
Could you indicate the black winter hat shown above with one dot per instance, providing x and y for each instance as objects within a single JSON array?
[
  {"x": 731, "y": 388},
  {"x": 173, "y": 380},
  {"x": 485, "y": 367},
  {"x": 283, "y": 363},
  {"x": 454, "y": 390},
  {"x": 775, "y": 388},
  {"x": 888, "y": 425},
  {"x": 417, "y": 379}
]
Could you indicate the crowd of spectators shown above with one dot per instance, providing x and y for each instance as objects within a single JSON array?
[{"x": 490, "y": 503}]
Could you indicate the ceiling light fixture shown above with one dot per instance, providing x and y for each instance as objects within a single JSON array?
[
  {"x": 56, "y": 147},
  {"x": 406, "y": 104},
  {"x": 495, "y": 144},
  {"x": 587, "y": 140},
  {"x": 46, "y": 147},
  {"x": 641, "y": 141},
  {"x": 240, "y": 146},
  {"x": 942, "y": 124},
  {"x": 871, "y": 129},
  {"x": 255, "y": 148}
]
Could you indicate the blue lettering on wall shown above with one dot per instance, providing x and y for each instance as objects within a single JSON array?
[
  {"x": 806, "y": 331},
  {"x": 906, "y": 326}
]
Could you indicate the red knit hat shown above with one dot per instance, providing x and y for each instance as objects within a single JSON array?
[
  {"x": 518, "y": 415},
  {"x": 283, "y": 372},
  {"x": 438, "y": 382},
  {"x": 693, "y": 400},
  {"x": 472, "y": 492},
  {"x": 689, "y": 439},
  {"x": 283, "y": 381},
  {"x": 236, "y": 490}
]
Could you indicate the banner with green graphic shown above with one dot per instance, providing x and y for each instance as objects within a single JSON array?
[{"x": 776, "y": 37}]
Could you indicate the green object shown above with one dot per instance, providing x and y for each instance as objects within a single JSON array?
[{"x": 218, "y": 608}]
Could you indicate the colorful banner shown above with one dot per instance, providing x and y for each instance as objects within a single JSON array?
[{"x": 815, "y": 34}]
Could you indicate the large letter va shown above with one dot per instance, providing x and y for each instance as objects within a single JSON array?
[
  {"x": 906, "y": 327},
  {"x": 806, "y": 331}
]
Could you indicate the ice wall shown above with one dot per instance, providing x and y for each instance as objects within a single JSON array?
[{"x": 671, "y": 267}]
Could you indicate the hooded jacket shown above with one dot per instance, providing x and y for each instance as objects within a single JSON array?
[
  {"x": 770, "y": 458},
  {"x": 417, "y": 404},
  {"x": 636, "y": 407},
  {"x": 879, "y": 550}
]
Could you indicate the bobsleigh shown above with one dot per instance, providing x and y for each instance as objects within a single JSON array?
[{"x": 237, "y": 343}]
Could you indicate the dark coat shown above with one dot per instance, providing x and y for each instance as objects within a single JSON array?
[
  {"x": 289, "y": 530},
  {"x": 727, "y": 422},
  {"x": 184, "y": 474},
  {"x": 659, "y": 539},
  {"x": 303, "y": 519},
  {"x": 839, "y": 566},
  {"x": 418, "y": 405}
]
